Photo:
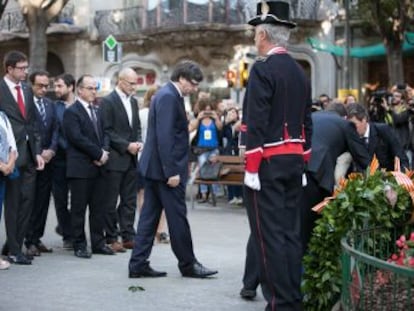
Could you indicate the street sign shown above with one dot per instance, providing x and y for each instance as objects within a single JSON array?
[{"x": 111, "y": 50}]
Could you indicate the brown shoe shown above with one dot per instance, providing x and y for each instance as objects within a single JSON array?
[
  {"x": 43, "y": 249},
  {"x": 117, "y": 247},
  {"x": 128, "y": 244},
  {"x": 32, "y": 251}
]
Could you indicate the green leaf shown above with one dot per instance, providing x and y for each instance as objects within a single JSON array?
[{"x": 134, "y": 289}]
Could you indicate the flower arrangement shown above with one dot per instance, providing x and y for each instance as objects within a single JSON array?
[
  {"x": 374, "y": 199},
  {"x": 405, "y": 254}
]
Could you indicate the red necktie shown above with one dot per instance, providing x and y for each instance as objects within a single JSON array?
[{"x": 20, "y": 101}]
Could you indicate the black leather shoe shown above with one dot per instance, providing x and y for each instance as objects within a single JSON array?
[
  {"x": 105, "y": 250},
  {"x": 82, "y": 253},
  {"x": 197, "y": 270},
  {"x": 248, "y": 294},
  {"x": 147, "y": 272},
  {"x": 32, "y": 251},
  {"x": 43, "y": 249},
  {"x": 19, "y": 259}
]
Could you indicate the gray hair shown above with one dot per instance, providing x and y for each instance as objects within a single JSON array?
[{"x": 277, "y": 35}]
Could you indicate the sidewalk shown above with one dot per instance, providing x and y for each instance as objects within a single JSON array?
[{"x": 63, "y": 282}]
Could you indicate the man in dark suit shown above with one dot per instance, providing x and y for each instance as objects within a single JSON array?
[
  {"x": 48, "y": 126},
  {"x": 16, "y": 101},
  {"x": 86, "y": 155},
  {"x": 380, "y": 139},
  {"x": 122, "y": 125},
  {"x": 332, "y": 136},
  {"x": 65, "y": 92},
  {"x": 164, "y": 164}
]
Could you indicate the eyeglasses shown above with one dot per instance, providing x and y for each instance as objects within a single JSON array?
[
  {"x": 23, "y": 68},
  {"x": 89, "y": 88},
  {"x": 130, "y": 83},
  {"x": 40, "y": 85}
]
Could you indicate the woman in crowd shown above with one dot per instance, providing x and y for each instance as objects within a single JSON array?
[
  {"x": 207, "y": 139},
  {"x": 8, "y": 155}
]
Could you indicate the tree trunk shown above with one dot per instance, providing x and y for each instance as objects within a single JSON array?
[
  {"x": 37, "y": 23},
  {"x": 395, "y": 65}
]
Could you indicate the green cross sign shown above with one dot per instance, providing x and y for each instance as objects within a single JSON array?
[
  {"x": 111, "y": 50},
  {"x": 111, "y": 42}
]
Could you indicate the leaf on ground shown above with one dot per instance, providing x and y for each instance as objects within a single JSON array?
[{"x": 136, "y": 288}]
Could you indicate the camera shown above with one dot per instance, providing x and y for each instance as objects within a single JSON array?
[
  {"x": 380, "y": 94},
  {"x": 401, "y": 86}
]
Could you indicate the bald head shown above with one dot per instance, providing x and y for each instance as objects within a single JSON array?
[{"x": 127, "y": 81}]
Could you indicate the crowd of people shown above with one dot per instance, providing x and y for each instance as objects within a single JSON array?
[{"x": 108, "y": 157}]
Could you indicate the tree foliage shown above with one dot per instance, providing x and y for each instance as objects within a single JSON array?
[
  {"x": 38, "y": 15},
  {"x": 390, "y": 19}
]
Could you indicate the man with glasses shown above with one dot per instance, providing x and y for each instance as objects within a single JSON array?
[
  {"x": 86, "y": 155},
  {"x": 48, "y": 127},
  {"x": 16, "y": 101},
  {"x": 122, "y": 125},
  {"x": 164, "y": 165}
]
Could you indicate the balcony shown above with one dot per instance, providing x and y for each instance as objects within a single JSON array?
[
  {"x": 127, "y": 22},
  {"x": 13, "y": 24}
]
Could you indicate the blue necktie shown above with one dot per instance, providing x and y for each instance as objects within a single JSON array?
[{"x": 42, "y": 110}]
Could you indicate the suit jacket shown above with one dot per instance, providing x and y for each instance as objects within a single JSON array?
[
  {"x": 332, "y": 136},
  {"x": 119, "y": 131},
  {"x": 25, "y": 130},
  {"x": 84, "y": 145},
  {"x": 166, "y": 147},
  {"x": 385, "y": 144},
  {"x": 49, "y": 131}
]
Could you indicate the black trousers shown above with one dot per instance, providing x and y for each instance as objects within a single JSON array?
[
  {"x": 124, "y": 186},
  {"x": 275, "y": 219},
  {"x": 251, "y": 279},
  {"x": 158, "y": 196},
  {"x": 88, "y": 192},
  {"x": 38, "y": 218},
  {"x": 60, "y": 191},
  {"x": 312, "y": 195},
  {"x": 18, "y": 205}
]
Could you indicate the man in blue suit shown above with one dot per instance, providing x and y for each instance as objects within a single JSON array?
[
  {"x": 48, "y": 128},
  {"x": 164, "y": 164}
]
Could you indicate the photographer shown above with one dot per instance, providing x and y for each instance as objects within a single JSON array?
[
  {"x": 400, "y": 117},
  {"x": 378, "y": 107},
  {"x": 207, "y": 140}
]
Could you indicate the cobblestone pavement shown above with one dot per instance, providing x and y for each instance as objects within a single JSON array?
[{"x": 60, "y": 281}]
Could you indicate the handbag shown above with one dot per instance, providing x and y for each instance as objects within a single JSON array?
[{"x": 210, "y": 170}]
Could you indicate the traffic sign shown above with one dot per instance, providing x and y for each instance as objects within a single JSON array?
[{"x": 111, "y": 50}]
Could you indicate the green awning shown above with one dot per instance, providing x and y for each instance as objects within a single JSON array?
[{"x": 360, "y": 52}]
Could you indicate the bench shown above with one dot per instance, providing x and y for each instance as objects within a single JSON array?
[{"x": 232, "y": 174}]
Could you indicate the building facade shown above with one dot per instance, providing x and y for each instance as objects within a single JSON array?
[{"x": 156, "y": 34}]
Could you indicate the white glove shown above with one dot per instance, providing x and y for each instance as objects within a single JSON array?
[{"x": 252, "y": 180}]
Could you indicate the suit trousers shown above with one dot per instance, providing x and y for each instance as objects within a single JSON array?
[
  {"x": 18, "y": 206},
  {"x": 88, "y": 192},
  {"x": 60, "y": 192},
  {"x": 38, "y": 218},
  {"x": 312, "y": 195},
  {"x": 275, "y": 219},
  {"x": 158, "y": 196},
  {"x": 124, "y": 185}
]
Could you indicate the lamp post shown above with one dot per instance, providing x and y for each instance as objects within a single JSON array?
[{"x": 347, "y": 54}]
